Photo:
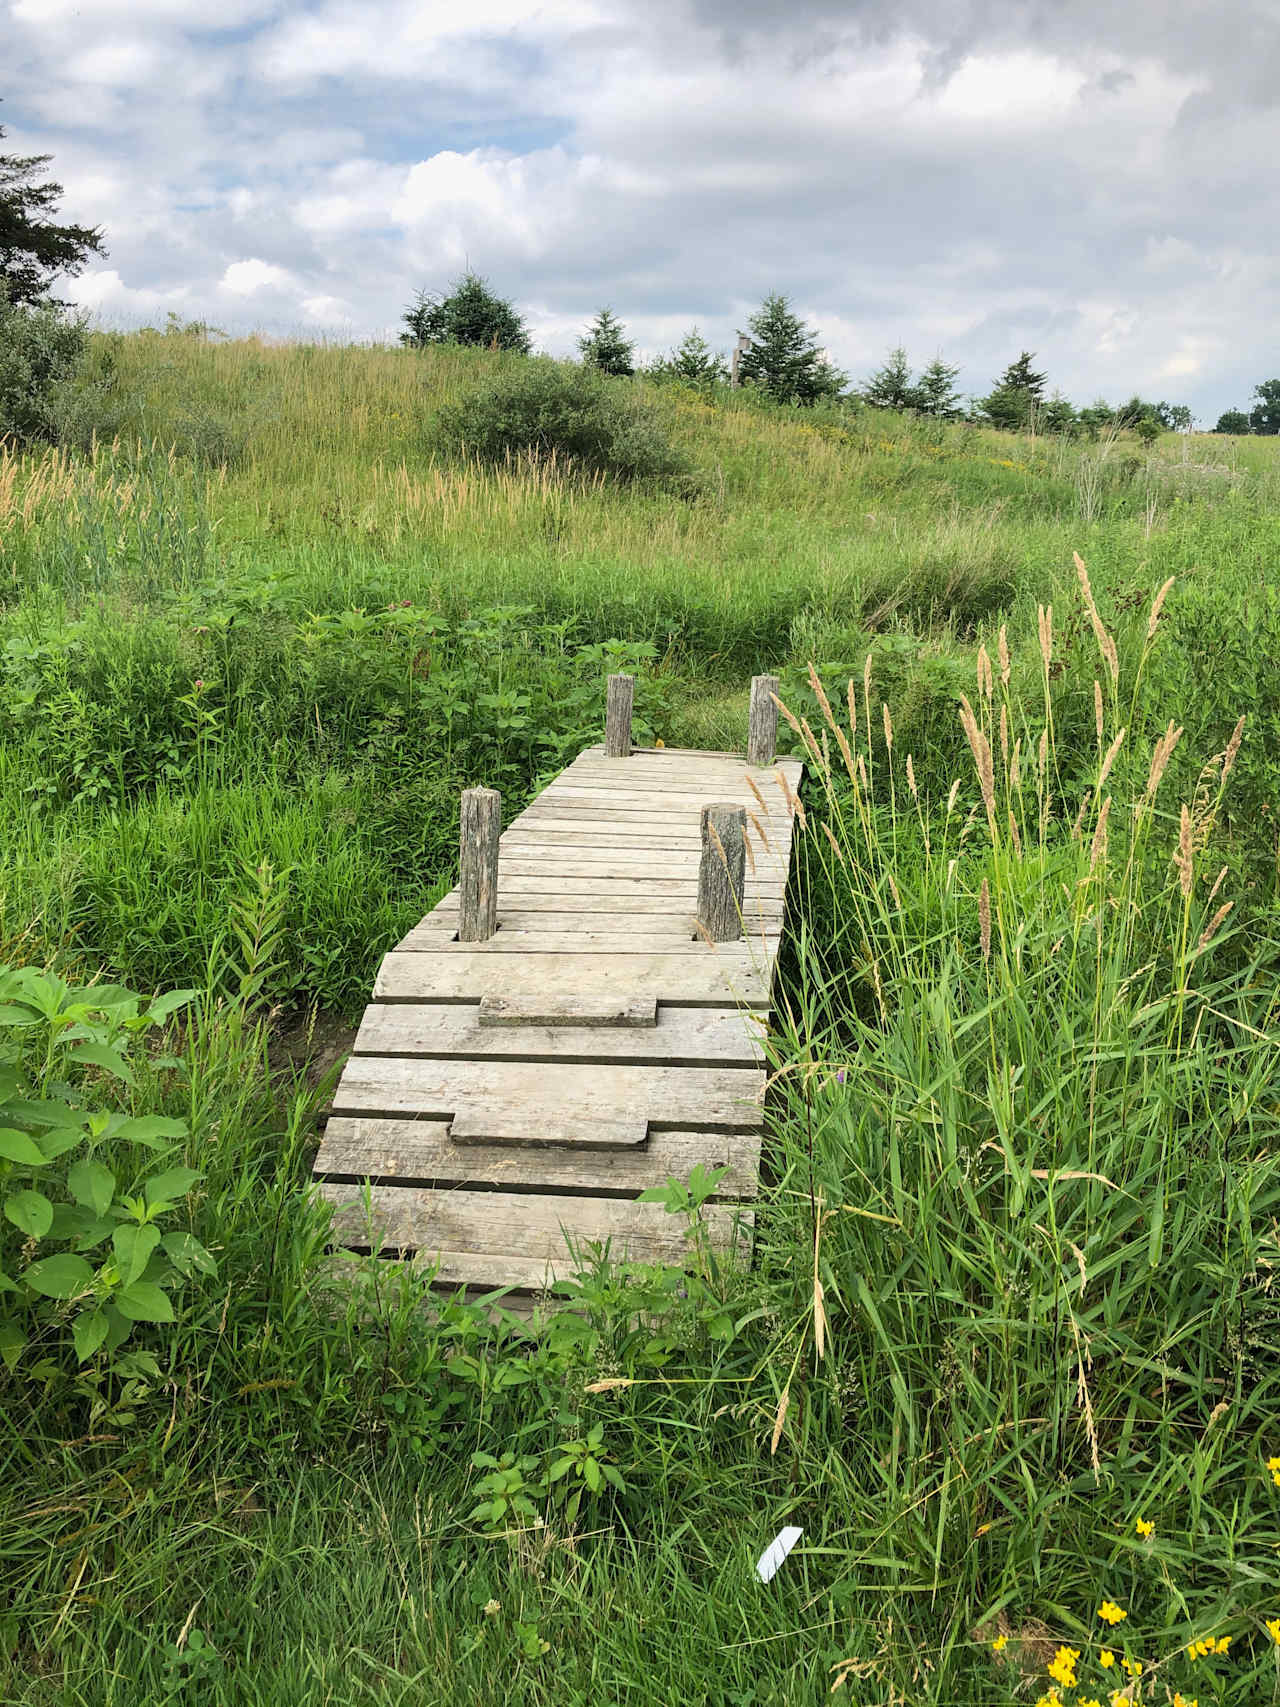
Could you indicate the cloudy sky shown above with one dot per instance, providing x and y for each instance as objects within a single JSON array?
[{"x": 1090, "y": 180}]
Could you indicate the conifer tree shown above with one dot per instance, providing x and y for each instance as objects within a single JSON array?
[
  {"x": 33, "y": 249},
  {"x": 784, "y": 360},
  {"x": 469, "y": 314},
  {"x": 890, "y": 387},
  {"x": 693, "y": 361},
  {"x": 605, "y": 345},
  {"x": 936, "y": 392}
]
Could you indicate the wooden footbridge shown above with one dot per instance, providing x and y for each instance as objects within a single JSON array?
[{"x": 579, "y": 1020}]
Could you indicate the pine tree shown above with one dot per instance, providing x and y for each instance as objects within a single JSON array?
[
  {"x": 32, "y": 248},
  {"x": 784, "y": 360},
  {"x": 605, "y": 345},
  {"x": 469, "y": 314},
  {"x": 936, "y": 392},
  {"x": 890, "y": 387},
  {"x": 1019, "y": 376},
  {"x": 694, "y": 362}
]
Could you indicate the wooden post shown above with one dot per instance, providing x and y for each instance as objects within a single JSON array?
[
  {"x": 762, "y": 724},
  {"x": 478, "y": 880},
  {"x": 617, "y": 717},
  {"x": 722, "y": 871}
]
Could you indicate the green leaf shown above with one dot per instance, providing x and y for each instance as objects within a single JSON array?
[
  {"x": 11, "y": 1015},
  {"x": 88, "y": 1332},
  {"x": 164, "y": 1005},
  {"x": 133, "y": 1247},
  {"x": 59, "y": 1140},
  {"x": 99, "y": 1055},
  {"x": 172, "y": 1186},
  {"x": 591, "y": 1475},
  {"x": 186, "y": 1253},
  {"x": 12, "y": 1342},
  {"x": 60, "y": 1276},
  {"x": 151, "y": 1129},
  {"x": 560, "y": 1468},
  {"x": 92, "y": 1185},
  {"x": 16, "y": 1146},
  {"x": 144, "y": 1302},
  {"x": 31, "y": 1213}
]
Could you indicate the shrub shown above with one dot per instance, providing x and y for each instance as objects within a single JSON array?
[
  {"x": 39, "y": 348},
  {"x": 560, "y": 411}
]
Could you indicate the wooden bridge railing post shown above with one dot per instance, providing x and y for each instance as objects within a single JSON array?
[
  {"x": 617, "y": 717},
  {"x": 481, "y": 825},
  {"x": 762, "y": 723},
  {"x": 722, "y": 871}
]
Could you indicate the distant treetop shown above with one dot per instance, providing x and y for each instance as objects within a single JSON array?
[
  {"x": 606, "y": 346},
  {"x": 33, "y": 249},
  {"x": 783, "y": 358},
  {"x": 470, "y": 314}
]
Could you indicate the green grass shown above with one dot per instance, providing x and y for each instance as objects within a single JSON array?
[{"x": 1014, "y": 1285}]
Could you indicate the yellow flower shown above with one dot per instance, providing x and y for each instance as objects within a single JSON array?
[
  {"x": 1052, "y": 1699},
  {"x": 1106, "y": 1659},
  {"x": 1121, "y": 1698},
  {"x": 1222, "y": 1644},
  {"x": 1091, "y": 1702},
  {"x": 1062, "y": 1667},
  {"x": 1144, "y": 1529},
  {"x": 999, "y": 1645},
  {"x": 1180, "y": 1700},
  {"x": 1110, "y": 1613},
  {"x": 1273, "y": 1630},
  {"x": 1273, "y": 1464},
  {"x": 1133, "y": 1667}
]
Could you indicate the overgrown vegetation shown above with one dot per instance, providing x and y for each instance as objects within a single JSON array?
[{"x": 1007, "y": 1349}]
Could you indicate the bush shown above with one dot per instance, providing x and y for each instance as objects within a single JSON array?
[
  {"x": 39, "y": 348},
  {"x": 560, "y": 411}
]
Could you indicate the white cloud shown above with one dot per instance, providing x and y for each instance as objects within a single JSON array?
[{"x": 247, "y": 278}]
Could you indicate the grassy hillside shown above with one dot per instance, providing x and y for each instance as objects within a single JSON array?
[{"x": 1014, "y": 1296}]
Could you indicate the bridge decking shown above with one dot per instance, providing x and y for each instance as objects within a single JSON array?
[{"x": 509, "y": 1099}]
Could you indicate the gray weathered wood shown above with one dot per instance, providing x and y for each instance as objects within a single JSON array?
[
  {"x": 762, "y": 722},
  {"x": 481, "y": 826},
  {"x": 722, "y": 871},
  {"x": 421, "y": 1152},
  {"x": 570, "y": 1129},
  {"x": 608, "y": 1012},
  {"x": 617, "y": 716},
  {"x": 611, "y": 1029},
  {"x": 731, "y": 974},
  {"x": 439, "y": 942},
  {"x": 548, "y": 1093},
  {"x": 454, "y": 1226}
]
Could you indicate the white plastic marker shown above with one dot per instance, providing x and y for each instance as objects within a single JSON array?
[{"x": 776, "y": 1552}]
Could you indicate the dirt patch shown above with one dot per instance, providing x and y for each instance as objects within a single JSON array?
[{"x": 312, "y": 1042}]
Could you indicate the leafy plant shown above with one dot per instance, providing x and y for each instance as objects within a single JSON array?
[
  {"x": 581, "y": 1469},
  {"x": 567, "y": 414},
  {"x": 89, "y": 1249}
]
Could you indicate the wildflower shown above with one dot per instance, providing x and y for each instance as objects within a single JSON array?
[
  {"x": 1133, "y": 1667},
  {"x": 1106, "y": 1659},
  {"x": 1273, "y": 1630},
  {"x": 1273, "y": 1464},
  {"x": 1110, "y": 1613},
  {"x": 1222, "y": 1644},
  {"x": 1000, "y": 1643},
  {"x": 1052, "y": 1699},
  {"x": 1121, "y": 1698},
  {"x": 492, "y": 1608},
  {"x": 840, "y": 1076},
  {"x": 1062, "y": 1667},
  {"x": 1180, "y": 1700},
  {"x": 1144, "y": 1529},
  {"x": 1091, "y": 1702}
]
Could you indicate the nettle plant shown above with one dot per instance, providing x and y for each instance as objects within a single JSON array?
[{"x": 88, "y": 1245}]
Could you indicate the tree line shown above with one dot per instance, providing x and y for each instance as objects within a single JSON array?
[{"x": 779, "y": 357}]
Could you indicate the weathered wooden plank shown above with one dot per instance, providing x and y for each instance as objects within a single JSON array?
[
  {"x": 420, "y": 1152},
  {"x": 487, "y": 1123},
  {"x": 726, "y": 975},
  {"x": 722, "y": 872},
  {"x": 608, "y": 1012},
  {"x": 570, "y": 893},
  {"x": 690, "y": 1037},
  {"x": 453, "y": 1225},
  {"x": 480, "y": 828},
  {"x": 762, "y": 720},
  {"x": 441, "y": 940},
  {"x": 643, "y": 870},
  {"x": 548, "y": 1093}
]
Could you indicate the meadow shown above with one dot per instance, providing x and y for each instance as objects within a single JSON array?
[{"x": 1008, "y": 1349}]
